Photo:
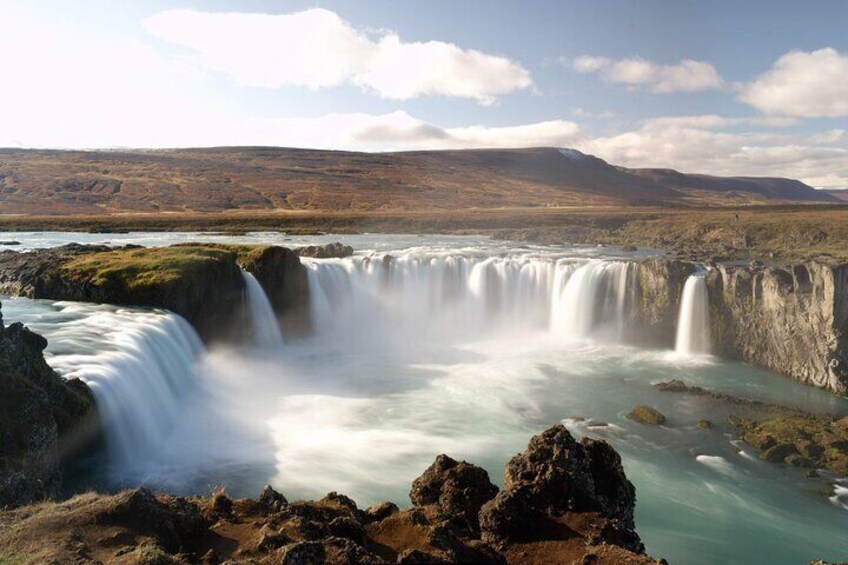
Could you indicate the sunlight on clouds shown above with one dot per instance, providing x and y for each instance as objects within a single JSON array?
[
  {"x": 317, "y": 49},
  {"x": 702, "y": 144},
  {"x": 804, "y": 84},
  {"x": 685, "y": 76}
]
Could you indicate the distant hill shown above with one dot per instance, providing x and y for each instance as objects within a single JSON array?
[{"x": 267, "y": 178}]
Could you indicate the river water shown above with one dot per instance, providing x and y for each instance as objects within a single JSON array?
[{"x": 456, "y": 345}]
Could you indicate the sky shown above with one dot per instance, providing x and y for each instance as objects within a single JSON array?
[{"x": 703, "y": 86}]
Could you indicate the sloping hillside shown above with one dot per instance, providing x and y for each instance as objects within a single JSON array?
[{"x": 267, "y": 178}]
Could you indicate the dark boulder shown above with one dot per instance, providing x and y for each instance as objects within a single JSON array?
[
  {"x": 457, "y": 489},
  {"x": 556, "y": 476}
]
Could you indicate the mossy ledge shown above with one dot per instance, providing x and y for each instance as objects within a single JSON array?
[{"x": 202, "y": 283}]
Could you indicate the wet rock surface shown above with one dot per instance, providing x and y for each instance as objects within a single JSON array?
[
  {"x": 646, "y": 415},
  {"x": 563, "y": 500},
  {"x": 328, "y": 251},
  {"x": 782, "y": 434},
  {"x": 43, "y": 418}
]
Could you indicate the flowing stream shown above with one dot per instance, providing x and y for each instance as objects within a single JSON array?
[{"x": 428, "y": 345}]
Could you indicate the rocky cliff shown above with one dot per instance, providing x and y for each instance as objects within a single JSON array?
[
  {"x": 658, "y": 286},
  {"x": 201, "y": 283},
  {"x": 564, "y": 502},
  {"x": 791, "y": 319},
  {"x": 43, "y": 418}
]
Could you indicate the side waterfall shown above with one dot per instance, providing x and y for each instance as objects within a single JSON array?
[
  {"x": 693, "y": 323},
  {"x": 445, "y": 294},
  {"x": 140, "y": 380},
  {"x": 264, "y": 325}
]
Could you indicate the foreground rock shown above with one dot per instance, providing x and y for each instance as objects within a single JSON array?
[
  {"x": 202, "y": 283},
  {"x": 564, "y": 502},
  {"x": 43, "y": 418}
]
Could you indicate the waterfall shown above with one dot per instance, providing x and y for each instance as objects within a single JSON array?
[
  {"x": 416, "y": 295},
  {"x": 693, "y": 323},
  {"x": 264, "y": 325},
  {"x": 142, "y": 372},
  {"x": 594, "y": 295}
]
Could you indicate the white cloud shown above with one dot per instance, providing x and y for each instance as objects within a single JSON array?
[
  {"x": 804, "y": 84},
  {"x": 686, "y": 76},
  {"x": 583, "y": 113},
  {"x": 699, "y": 144},
  {"x": 317, "y": 49}
]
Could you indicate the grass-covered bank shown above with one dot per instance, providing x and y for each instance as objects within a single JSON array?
[{"x": 788, "y": 233}]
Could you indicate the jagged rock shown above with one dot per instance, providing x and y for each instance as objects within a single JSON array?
[
  {"x": 42, "y": 417},
  {"x": 330, "y": 250},
  {"x": 347, "y": 528},
  {"x": 380, "y": 511},
  {"x": 555, "y": 476},
  {"x": 269, "y": 538},
  {"x": 457, "y": 489},
  {"x": 563, "y": 498},
  {"x": 340, "y": 550},
  {"x": 272, "y": 500},
  {"x": 303, "y": 553},
  {"x": 647, "y": 415},
  {"x": 418, "y": 557}
]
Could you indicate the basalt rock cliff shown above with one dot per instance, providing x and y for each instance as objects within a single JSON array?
[
  {"x": 565, "y": 502},
  {"x": 790, "y": 319},
  {"x": 43, "y": 418},
  {"x": 202, "y": 283}
]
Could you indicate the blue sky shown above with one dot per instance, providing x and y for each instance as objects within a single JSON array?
[{"x": 743, "y": 88}]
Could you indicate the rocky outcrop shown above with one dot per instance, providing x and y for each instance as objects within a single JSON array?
[
  {"x": 565, "y": 502},
  {"x": 202, "y": 283},
  {"x": 283, "y": 277},
  {"x": 810, "y": 442},
  {"x": 43, "y": 418},
  {"x": 793, "y": 320},
  {"x": 658, "y": 287},
  {"x": 330, "y": 250},
  {"x": 556, "y": 479}
]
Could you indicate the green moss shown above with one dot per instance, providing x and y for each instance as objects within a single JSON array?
[{"x": 140, "y": 268}]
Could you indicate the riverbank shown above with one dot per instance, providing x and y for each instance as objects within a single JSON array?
[{"x": 777, "y": 233}]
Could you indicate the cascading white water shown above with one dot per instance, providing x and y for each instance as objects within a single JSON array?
[
  {"x": 451, "y": 294},
  {"x": 264, "y": 325},
  {"x": 144, "y": 368},
  {"x": 693, "y": 323}
]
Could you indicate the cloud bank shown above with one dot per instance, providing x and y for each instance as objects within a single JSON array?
[
  {"x": 317, "y": 49},
  {"x": 803, "y": 84}
]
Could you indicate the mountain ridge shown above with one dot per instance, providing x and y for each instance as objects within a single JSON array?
[{"x": 220, "y": 179}]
